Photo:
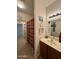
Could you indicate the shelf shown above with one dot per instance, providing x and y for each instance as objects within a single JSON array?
[{"x": 30, "y": 32}]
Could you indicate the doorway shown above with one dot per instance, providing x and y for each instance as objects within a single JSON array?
[{"x": 19, "y": 30}]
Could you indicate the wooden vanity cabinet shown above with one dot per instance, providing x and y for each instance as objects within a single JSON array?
[
  {"x": 53, "y": 54},
  {"x": 48, "y": 52},
  {"x": 43, "y": 50}
]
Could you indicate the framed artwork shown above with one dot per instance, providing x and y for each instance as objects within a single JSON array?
[{"x": 40, "y": 18}]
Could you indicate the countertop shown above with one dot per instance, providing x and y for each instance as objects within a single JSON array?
[{"x": 54, "y": 44}]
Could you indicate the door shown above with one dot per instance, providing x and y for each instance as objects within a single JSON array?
[{"x": 19, "y": 30}]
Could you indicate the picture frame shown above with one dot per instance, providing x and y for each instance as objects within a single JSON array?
[{"x": 40, "y": 18}]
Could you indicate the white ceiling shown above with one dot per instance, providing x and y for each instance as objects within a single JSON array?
[{"x": 28, "y": 5}]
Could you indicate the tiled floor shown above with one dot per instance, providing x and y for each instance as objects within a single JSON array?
[{"x": 24, "y": 50}]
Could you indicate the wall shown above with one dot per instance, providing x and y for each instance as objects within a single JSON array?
[
  {"x": 39, "y": 10},
  {"x": 53, "y": 9}
]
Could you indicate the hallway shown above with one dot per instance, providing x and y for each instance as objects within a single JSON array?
[{"x": 24, "y": 50}]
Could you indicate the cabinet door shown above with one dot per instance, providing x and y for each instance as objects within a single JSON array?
[
  {"x": 43, "y": 50},
  {"x": 53, "y": 54}
]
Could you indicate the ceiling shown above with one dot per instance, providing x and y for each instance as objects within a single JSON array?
[{"x": 28, "y": 5}]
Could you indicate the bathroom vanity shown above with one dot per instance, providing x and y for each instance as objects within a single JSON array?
[{"x": 50, "y": 50}]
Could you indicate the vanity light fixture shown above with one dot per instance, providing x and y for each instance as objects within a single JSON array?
[{"x": 57, "y": 14}]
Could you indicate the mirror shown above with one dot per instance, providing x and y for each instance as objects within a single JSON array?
[{"x": 54, "y": 27}]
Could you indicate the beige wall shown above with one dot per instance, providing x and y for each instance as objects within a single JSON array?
[
  {"x": 39, "y": 10},
  {"x": 54, "y": 7}
]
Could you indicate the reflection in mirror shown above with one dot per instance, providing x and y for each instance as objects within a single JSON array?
[{"x": 54, "y": 27}]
